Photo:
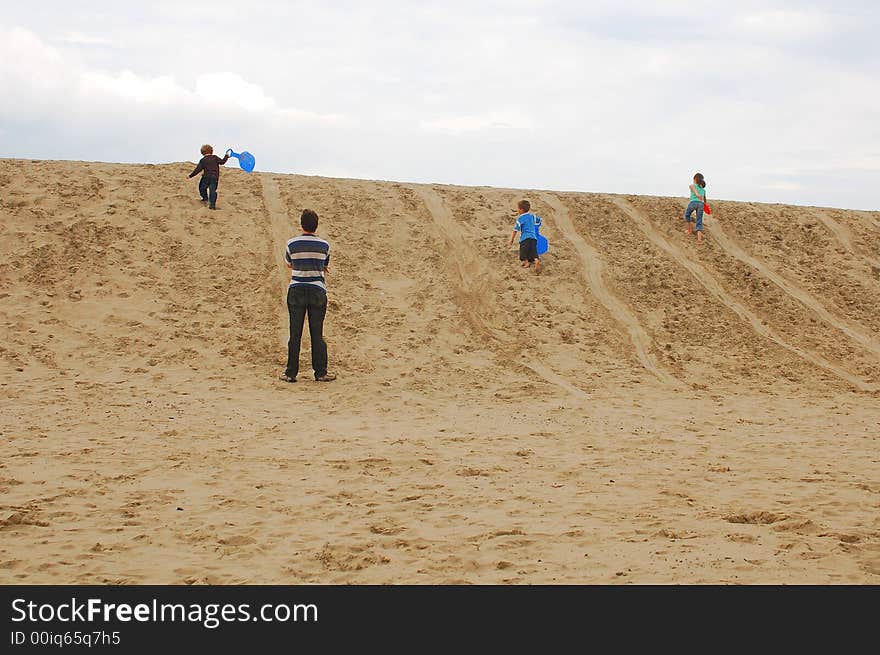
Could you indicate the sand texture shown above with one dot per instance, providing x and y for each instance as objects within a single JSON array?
[{"x": 648, "y": 410}]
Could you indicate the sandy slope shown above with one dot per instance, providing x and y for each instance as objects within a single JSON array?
[{"x": 647, "y": 410}]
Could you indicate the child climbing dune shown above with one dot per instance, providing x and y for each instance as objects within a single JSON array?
[
  {"x": 697, "y": 201},
  {"x": 527, "y": 225},
  {"x": 209, "y": 165}
]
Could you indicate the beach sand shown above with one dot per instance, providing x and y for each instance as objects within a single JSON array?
[{"x": 648, "y": 410}]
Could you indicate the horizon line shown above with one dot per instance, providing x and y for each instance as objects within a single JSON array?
[{"x": 450, "y": 184}]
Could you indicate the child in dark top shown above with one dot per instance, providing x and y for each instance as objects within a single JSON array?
[{"x": 209, "y": 165}]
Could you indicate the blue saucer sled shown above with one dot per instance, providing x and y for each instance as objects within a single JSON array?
[
  {"x": 245, "y": 160},
  {"x": 543, "y": 244}
]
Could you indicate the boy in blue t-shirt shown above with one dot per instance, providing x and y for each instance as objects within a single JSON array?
[{"x": 527, "y": 225}]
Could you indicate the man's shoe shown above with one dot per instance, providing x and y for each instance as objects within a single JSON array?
[{"x": 327, "y": 377}]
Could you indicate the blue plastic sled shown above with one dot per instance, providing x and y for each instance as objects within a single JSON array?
[
  {"x": 245, "y": 160},
  {"x": 543, "y": 244}
]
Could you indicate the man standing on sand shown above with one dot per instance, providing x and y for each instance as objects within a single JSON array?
[{"x": 308, "y": 258}]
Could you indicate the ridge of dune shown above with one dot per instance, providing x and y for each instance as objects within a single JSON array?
[{"x": 646, "y": 410}]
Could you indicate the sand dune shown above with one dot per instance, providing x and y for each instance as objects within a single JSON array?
[{"x": 649, "y": 409}]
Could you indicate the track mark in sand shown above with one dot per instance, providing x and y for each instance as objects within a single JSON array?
[
  {"x": 868, "y": 342},
  {"x": 846, "y": 238},
  {"x": 279, "y": 221},
  {"x": 473, "y": 279},
  {"x": 840, "y": 231},
  {"x": 280, "y": 229},
  {"x": 592, "y": 271},
  {"x": 710, "y": 284},
  {"x": 556, "y": 379}
]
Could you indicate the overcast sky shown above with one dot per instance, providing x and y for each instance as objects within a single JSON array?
[{"x": 773, "y": 101}]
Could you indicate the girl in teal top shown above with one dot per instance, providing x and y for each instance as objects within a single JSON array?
[{"x": 698, "y": 199}]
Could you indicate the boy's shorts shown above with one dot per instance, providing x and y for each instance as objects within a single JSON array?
[{"x": 528, "y": 250}]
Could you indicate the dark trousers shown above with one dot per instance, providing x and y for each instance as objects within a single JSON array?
[
  {"x": 208, "y": 189},
  {"x": 312, "y": 301},
  {"x": 528, "y": 250}
]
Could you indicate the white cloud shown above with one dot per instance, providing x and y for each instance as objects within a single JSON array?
[
  {"x": 36, "y": 77},
  {"x": 232, "y": 88},
  {"x": 77, "y": 38},
  {"x": 127, "y": 86},
  {"x": 786, "y": 23},
  {"x": 784, "y": 186},
  {"x": 493, "y": 120}
]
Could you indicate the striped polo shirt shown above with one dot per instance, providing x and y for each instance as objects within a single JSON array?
[{"x": 309, "y": 256}]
